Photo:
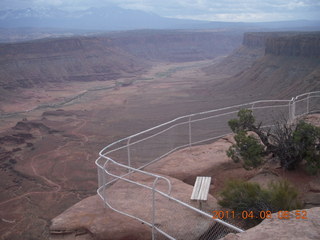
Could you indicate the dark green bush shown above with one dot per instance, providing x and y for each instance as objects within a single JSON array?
[
  {"x": 295, "y": 143},
  {"x": 307, "y": 140},
  {"x": 291, "y": 144},
  {"x": 248, "y": 149},
  {"x": 283, "y": 196},
  {"x": 244, "y": 122},
  {"x": 242, "y": 196}
]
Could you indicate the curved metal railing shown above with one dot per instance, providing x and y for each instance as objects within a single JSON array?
[{"x": 136, "y": 152}]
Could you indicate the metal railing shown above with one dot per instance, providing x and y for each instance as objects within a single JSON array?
[{"x": 121, "y": 165}]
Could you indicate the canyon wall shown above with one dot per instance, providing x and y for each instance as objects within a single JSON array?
[
  {"x": 61, "y": 60},
  {"x": 256, "y": 39},
  {"x": 178, "y": 46},
  {"x": 105, "y": 57},
  {"x": 274, "y": 65},
  {"x": 128, "y": 54},
  {"x": 259, "y": 39},
  {"x": 298, "y": 45}
]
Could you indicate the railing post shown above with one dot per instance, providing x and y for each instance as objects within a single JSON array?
[
  {"x": 104, "y": 182},
  {"x": 190, "y": 132},
  {"x": 100, "y": 177},
  {"x": 104, "y": 190},
  {"x": 154, "y": 207},
  {"x": 289, "y": 112},
  {"x": 308, "y": 103},
  {"x": 129, "y": 154},
  {"x": 292, "y": 107},
  {"x": 252, "y": 107}
]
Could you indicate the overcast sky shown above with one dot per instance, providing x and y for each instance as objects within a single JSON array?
[{"x": 213, "y": 10}]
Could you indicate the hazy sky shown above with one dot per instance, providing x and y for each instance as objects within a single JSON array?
[{"x": 214, "y": 10}]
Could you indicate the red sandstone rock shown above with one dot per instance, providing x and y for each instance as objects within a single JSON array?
[
  {"x": 91, "y": 218},
  {"x": 194, "y": 161},
  {"x": 276, "y": 228}
]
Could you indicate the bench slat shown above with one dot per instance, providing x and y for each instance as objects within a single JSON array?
[
  {"x": 205, "y": 188},
  {"x": 196, "y": 189},
  {"x": 201, "y": 188},
  {"x": 198, "y": 196}
]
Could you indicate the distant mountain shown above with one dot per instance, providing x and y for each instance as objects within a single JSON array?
[
  {"x": 108, "y": 18},
  {"x": 115, "y": 18}
]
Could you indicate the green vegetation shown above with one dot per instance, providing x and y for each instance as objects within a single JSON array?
[
  {"x": 290, "y": 144},
  {"x": 283, "y": 196},
  {"x": 256, "y": 202},
  {"x": 248, "y": 149},
  {"x": 244, "y": 196},
  {"x": 307, "y": 139}
]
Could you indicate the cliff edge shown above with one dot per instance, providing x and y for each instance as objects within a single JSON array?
[{"x": 295, "y": 45}]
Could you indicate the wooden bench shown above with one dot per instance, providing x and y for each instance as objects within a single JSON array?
[{"x": 201, "y": 189}]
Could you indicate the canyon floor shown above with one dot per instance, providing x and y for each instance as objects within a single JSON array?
[{"x": 51, "y": 136}]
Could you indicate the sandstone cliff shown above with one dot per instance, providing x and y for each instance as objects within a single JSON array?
[
  {"x": 298, "y": 45},
  {"x": 61, "y": 60},
  {"x": 94, "y": 221},
  {"x": 273, "y": 65},
  {"x": 295, "y": 44},
  {"x": 105, "y": 57},
  {"x": 257, "y": 39},
  {"x": 178, "y": 46}
]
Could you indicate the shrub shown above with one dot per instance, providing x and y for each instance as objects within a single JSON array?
[
  {"x": 283, "y": 196},
  {"x": 242, "y": 196},
  {"x": 291, "y": 144},
  {"x": 307, "y": 139},
  {"x": 248, "y": 149},
  {"x": 244, "y": 122}
]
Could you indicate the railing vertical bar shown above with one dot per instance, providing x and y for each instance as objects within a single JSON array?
[
  {"x": 154, "y": 207},
  {"x": 104, "y": 180},
  {"x": 252, "y": 107},
  {"x": 104, "y": 193},
  {"x": 190, "y": 132},
  {"x": 101, "y": 178},
  {"x": 129, "y": 153},
  {"x": 308, "y": 103},
  {"x": 291, "y": 110},
  {"x": 294, "y": 109},
  {"x": 100, "y": 181}
]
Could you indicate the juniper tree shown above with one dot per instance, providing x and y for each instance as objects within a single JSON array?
[{"x": 290, "y": 143}]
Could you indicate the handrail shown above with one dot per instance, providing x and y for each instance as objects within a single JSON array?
[
  {"x": 187, "y": 116},
  {"x": 136, "y": 170},
  {"x": 308, "y": 93},
  {"x": 292, "y": 104}
]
